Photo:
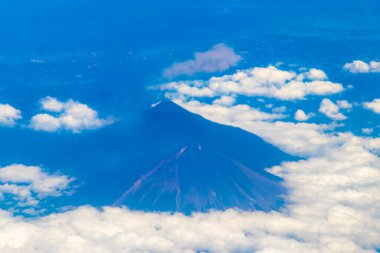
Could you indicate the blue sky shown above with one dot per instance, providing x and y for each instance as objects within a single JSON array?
[{"x": 302, "y": 75}]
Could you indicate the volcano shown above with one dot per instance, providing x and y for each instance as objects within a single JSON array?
[{"x": 206, "y": 166}]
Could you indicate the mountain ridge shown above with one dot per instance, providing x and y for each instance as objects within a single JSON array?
[{"x": 203, "y": 173}]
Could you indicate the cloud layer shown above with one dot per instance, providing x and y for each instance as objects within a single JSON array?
[{"x": 218, "y": 58}]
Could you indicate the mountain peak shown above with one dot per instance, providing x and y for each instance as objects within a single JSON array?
[
  {"x": 167, "y": 106},
  {"x": 207, "y": 166}
]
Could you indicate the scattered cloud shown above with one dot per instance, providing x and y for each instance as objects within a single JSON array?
[
  {"x": 9, "y": 115},
  {"x": 70, "y": 115},
  {"x": 51, "y": 104},
  {"x": 331, "y": 110},
  {"x": 344, "y": 104},
  {"x": 265, "y": 82},
  {"x": 367, "y": 130},
  {"x": 26, "y": 185},
  {"x": 373, "y": 106},
  {"x": 316, "y": 74},
  {"x": 218, "y": 58},
  {"x": 225, "y": 100},
  {"x": 300, "y": 115},
  {"x": 280, "y": 109},
  {"x": 358, "y": 66}
]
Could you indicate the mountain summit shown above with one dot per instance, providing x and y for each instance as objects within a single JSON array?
[{"x": 206, "y": 166}]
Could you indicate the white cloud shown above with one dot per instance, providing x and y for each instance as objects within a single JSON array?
[
  {"x": 367, "y": 130},
  {"x": 51, "y": 104},
  {"x": 71, "y": 115},
  {"x": 344, "y": 104},
  {"x": 316, "y": 74},
  {"x": 230, "y": 114},
  {"x": 301, "y": 139},
  {"x": 28, "y": 184},
  {"x": 300, "y": 115},
  {"x": 9, "y": 115},
  {"x": 280, "y": 109},
  {"x": 219, "y": 58},
  {"x": 45, "y": 122},
  {"x": 339, "y": 189},
  {"x": 225, "y": 100},
  {"x": 373, "y": 106},
  {"x": 331, "y": 110},
  {"x": 266, "y": 82},
  {"x": 358, "y": 66}
]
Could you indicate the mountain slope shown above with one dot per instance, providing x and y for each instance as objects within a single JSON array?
[{"x": 209, "y": 166}]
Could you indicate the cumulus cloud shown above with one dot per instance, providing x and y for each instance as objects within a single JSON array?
[
  {"x": 300, "y": 115},
  {"x": 316, "y": 74},
  {"x": 52, "y": 104},
  {"x": 70, "y": 115},
  {"x": 266, "y": 82},
  {"x": 373, "y": 106},
  {"x": 219, "y": 58},
  {"x": 26, "y": 185},
  {"x": 331, "y": 110},
  {"x": 358, "y": 66},
  {"x": 9, "y": 115}
]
